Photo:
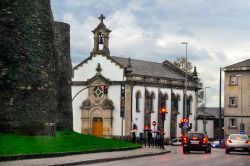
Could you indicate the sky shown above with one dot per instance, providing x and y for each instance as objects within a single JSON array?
[{"x": 217, "y": 32}]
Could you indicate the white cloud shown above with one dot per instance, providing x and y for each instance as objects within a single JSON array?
[{"x": 217, "y": 32}]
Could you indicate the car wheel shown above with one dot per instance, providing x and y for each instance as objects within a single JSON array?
[
  {"x": 227, "y": 151},
  {"x": 206, "y": 150}
]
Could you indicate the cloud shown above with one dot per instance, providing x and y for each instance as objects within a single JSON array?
[{"x": 216, "y": 31}]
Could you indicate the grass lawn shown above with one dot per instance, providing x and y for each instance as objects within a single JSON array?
[{"x": 64, "y": 141}]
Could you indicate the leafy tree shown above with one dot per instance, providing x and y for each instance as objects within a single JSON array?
[{"x": 181, "y": 63}]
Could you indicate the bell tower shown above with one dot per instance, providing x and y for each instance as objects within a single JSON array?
[{"x": 101, "y": 38}]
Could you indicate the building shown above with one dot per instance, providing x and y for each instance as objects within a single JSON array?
[
  {"x": 237, "y": 98},
  {"x": 208, "y": 121},
  {"x": 114, "y": 95}
]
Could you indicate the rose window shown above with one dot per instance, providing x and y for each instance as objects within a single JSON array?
[{"x": 98, "y": 91}]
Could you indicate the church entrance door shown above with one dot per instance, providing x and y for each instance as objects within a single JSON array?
[{"x": 97, "y": 128}]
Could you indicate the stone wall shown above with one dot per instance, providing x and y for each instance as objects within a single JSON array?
[
  {"x": 28, "y": 67},
  {"x": 64, "y": 107}
]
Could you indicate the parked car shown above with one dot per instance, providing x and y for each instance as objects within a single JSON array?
[
  {"x": 196, "y": 142},
  {"x": 237, "y": 142},
  {"x": 215, "y": 144},
  {"x": 176, "y": 141}
]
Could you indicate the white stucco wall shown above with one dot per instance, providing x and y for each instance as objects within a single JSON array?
[
  {"x": 76, "y": 106},
  {"x": 115, "y": 95},
  {"x": 193, "y": 111},
  {"x": 110, "y": 70},
  {"x": 209, "y": 127},
  {"x": 138, "y": 117}
]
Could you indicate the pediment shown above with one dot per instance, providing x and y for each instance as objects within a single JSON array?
[{"x": 98, "y": 78}]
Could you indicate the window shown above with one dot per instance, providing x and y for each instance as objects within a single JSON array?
[
  {"x": 138, "y": 96},
  {"x": 232, "y": 122},
  {"x": 152, "y": 97},
  {"x": 98, "y": 91},
  {"x": 233, "y": 80},
  {"x": 189, "y": 105},
  {"x": 232, "y": 101}
]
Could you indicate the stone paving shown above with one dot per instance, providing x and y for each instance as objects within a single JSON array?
[{"x": 89, "y": 158}]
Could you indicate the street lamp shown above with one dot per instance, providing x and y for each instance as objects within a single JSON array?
[
  {"x": 205, "y": 102},
  {"x": 241, "y": 110},
  {"x": 185, "y": 91}
]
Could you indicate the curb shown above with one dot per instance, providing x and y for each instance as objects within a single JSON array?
[
  {"x": 48, "y": 155},
  {"x": 111, "y": 159}
]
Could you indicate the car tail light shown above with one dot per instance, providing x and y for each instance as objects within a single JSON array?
[
  {"x": 229, "y": 141},
  {"x": 204, "y": 140},
  {"x": 248, "y": 142},
  {"x": 185, "y": 140},
  {"x": 194, "y": 138}
]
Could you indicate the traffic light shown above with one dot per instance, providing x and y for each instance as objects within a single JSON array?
[
  {"x": 105, "y": 89},
  {"x": 163, "y": 110}
]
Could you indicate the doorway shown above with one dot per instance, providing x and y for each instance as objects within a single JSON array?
[{"x": 97, "y": 127}]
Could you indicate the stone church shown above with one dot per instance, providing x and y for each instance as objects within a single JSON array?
[{"x": 114, "y": 95}]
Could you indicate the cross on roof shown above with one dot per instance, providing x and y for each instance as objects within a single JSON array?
[{"x": 101, "y": 18}]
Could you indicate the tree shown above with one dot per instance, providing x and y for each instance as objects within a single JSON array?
[{"x": 181, "y": 63}]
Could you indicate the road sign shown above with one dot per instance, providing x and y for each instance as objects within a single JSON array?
[
  {"x": 185, "y": 126},
  {"x": 242, "y": 132},
  {"x": 154, "y": 123}
]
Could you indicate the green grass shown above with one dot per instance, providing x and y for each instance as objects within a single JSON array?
[{"x": 64, "y": 141}]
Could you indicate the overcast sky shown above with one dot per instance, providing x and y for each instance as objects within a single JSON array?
[{"x": 217, "y": 32}]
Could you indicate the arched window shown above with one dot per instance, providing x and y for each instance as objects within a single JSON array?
[
  {"x": 137, "y": 98},
  {"x": 152, "y": 100},
  {"x": 189, "y": 105}
]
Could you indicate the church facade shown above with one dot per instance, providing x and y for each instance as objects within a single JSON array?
[{"x": 114, "y": 95}]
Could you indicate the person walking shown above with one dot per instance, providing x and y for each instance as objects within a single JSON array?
[{"x": 149, "y": 138}]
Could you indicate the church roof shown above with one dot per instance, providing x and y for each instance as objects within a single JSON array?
[{"x": 153, "y": 69}]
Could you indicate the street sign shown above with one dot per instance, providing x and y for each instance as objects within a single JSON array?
[
  {"x": 154, "y": 123},
  {"x": 242, "y": 132},
  {"x": 185, "y": 126}
]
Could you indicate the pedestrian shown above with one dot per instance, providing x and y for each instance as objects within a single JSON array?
[
  {"x": 133, "y": 137},
  {"x": 157, "y": 140},
  {"x": 149, "y": 138}
]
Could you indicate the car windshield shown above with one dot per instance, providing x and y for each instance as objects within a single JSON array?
[
  {"x": 238, "y": 137},
  {"x": 197, "y": 135}
]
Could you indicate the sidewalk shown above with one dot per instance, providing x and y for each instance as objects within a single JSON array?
[{"x": 89, "y": 158}]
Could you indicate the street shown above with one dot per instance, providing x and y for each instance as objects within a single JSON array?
[{"x": 176, "y": 158}]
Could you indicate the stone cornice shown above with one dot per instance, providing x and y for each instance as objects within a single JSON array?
[{"x": 226, "y": 69}]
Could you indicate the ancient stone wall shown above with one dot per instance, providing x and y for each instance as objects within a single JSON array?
[
  {"x": 64, "y": 116},
  {"x": 28, "y": 68}
]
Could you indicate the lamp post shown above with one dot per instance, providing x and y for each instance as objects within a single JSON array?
[
  {"x": 185, "y": 91},
  {"x": 241, "y": 110},
  {"x": 205, "y": 102}
]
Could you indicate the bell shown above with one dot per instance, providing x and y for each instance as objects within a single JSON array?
[{"x": 101, "y": 39}]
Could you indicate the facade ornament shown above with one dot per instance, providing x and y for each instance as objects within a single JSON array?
[
  {"x": 195, "y": 75},
  {"x": 98, "y": 69}
]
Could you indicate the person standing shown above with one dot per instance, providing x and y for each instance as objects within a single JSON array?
[{"x": 149, "y": 138}]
